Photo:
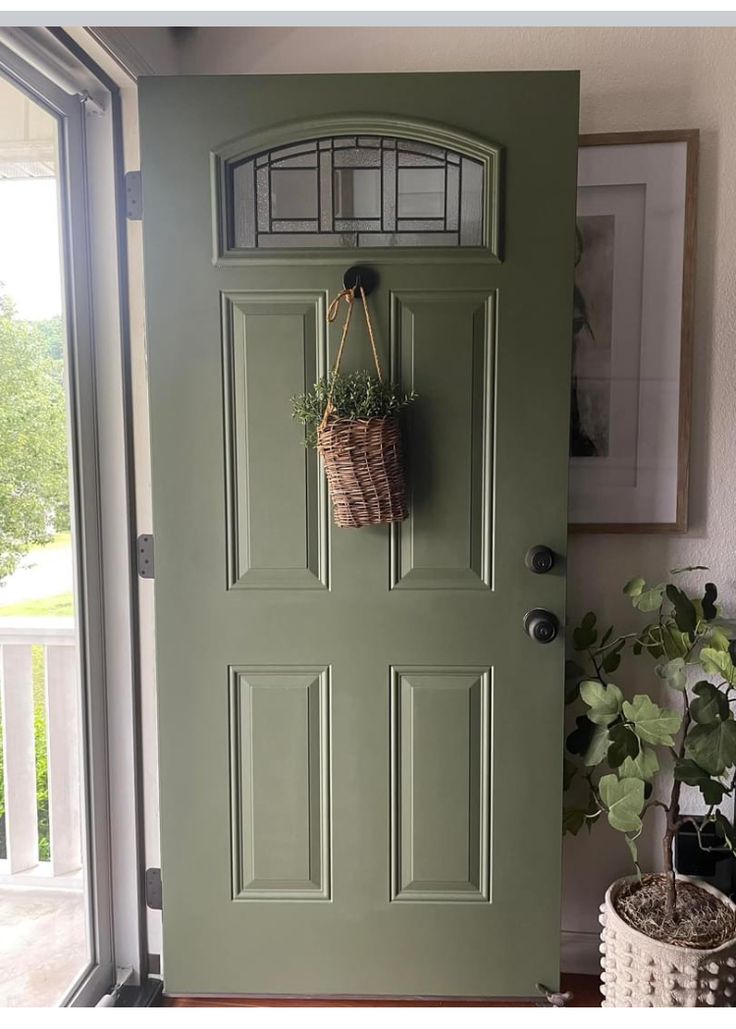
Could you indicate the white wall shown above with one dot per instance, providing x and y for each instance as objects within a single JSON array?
[{"x": 631, "y": 79}]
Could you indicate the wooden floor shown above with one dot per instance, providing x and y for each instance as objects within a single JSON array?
[{"x": 584, "y": 989}]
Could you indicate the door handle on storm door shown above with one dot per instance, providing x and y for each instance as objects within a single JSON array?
[{"x": 542, "y": 626}]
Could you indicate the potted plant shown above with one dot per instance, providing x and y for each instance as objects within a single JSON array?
[
  {"x": 352, "y": 419},
  {"x": 667, "y": 940}
]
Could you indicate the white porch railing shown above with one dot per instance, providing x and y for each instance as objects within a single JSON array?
[{"x": 61, "y": 693}]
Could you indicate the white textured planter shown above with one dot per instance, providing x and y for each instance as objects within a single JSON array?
[{"x": 639, "y": 972}]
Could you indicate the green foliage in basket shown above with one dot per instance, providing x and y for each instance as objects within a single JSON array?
[
  {"x": 355, "y": 395},
  {"x": 626, "y": 758}
]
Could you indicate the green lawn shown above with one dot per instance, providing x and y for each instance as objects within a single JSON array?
[
  {"x": 61, "y": 539},
  {"x": 59, "y": 606}
]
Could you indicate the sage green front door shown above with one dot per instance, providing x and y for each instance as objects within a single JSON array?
[{"x": 360, "y": 746}]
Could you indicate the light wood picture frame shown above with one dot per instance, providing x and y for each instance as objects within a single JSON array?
[{"x": 633, "y": 332}]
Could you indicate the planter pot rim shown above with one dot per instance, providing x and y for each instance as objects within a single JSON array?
[{"x": 615, "y": 918}]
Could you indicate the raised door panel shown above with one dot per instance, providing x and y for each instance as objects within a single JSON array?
[
  {"x": 277, "y": 528},
  {"x": 279, "y": 781},
  {"x": 443, "y": 346},
  {"x": 440, "y": 784}
]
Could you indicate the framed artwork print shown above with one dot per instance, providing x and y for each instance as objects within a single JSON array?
[{"x": 632, "y": 331}]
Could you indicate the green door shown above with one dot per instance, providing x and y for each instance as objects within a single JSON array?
[{"x": 359, "y": 745}]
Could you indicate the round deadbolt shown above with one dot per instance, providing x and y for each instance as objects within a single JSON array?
[
  {"x": 539, "y": 559},
  {"x": 542, "y": 626}
]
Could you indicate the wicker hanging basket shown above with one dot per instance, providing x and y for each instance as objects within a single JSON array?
[
  {"x": 364, "y": 469},
  {"x": 362, "y": 457}
]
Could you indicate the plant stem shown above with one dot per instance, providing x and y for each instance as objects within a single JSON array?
[
  {"x": 595, "y": 664},
  {"x": 674, "y": 822},
  {"x": 614, "y": 643}
]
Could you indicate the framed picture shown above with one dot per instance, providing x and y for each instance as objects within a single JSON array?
[{"x": 632, "y": 331}]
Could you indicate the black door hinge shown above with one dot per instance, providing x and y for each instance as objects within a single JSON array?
[
  {"x": 133, "y": 196},
  {"x": 144, "y": 555},
  {"x": 154, "y": 895}
]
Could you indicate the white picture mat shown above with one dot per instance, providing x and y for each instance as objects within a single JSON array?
[{"x": 638, "y": 487}]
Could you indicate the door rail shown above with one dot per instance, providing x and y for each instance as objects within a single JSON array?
[{"x": 39, "y": 694}]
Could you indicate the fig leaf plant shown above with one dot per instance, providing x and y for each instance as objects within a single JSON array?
[{"x": 622, "y": 750}]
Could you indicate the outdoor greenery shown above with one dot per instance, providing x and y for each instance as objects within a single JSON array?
[
  {"x": 34, "y": 488},
  {"x": 34, "y": 494},
  {"x": 59, "y": 606},
  {"x": 42, "y": 778},
  {"x": 56, "y": 606},
  {"x": 355, "y": 395},
  {"x": 621, "y": 750}
]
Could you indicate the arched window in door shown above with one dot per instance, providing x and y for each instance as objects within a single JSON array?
[{"x": 359, "y": 190}]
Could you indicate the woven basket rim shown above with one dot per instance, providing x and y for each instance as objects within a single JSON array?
[
  {"x": 610, "y": 902},
  {"x": 361, "y": 421}
]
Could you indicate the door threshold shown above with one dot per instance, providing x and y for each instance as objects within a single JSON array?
[
  {"x": 584, "y": 988},
  {"x": 342, "y": 1000}
]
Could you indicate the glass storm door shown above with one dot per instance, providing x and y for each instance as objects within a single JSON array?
[
  {"x": 359, "y": 743},
  {"x": 45, "y": 895}
]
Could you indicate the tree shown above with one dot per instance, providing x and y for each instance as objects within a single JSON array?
[
  {"x": 624, "y": 748},
  {"x": 34, "y": 484}
]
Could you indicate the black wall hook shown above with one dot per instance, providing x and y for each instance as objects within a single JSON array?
[{"x": 360, "y": 275}]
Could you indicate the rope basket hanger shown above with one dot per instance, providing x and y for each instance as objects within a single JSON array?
[{"x": 362, "y": 457}]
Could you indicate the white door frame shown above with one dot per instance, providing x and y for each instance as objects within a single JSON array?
[{"x": 57, "y": 75}]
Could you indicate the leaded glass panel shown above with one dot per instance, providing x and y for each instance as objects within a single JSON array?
[{"x": 357, "y": 191}]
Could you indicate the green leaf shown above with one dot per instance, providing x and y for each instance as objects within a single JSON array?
[
  {"x": 718, "y": 638},
  {"x": 624, "y": 744},
  {"x": 652, "y": 724},
  {"x": 709, "y": 601},
  {"x": 673, "y": 672},
  {"x": 713, "y": 746},
  {"x": 650, "y": 599},
  {"x": 685, "y": 614},
  {"x": 589, "y": 741},
  {"x": 634, "y": 587},
  {"x": 712, "y": 791},
  {"x": 604, "y": 701},
  {"x": 612, "y": 659},
  {"x": 690, "y": 772},
  {"x": 624, "y": 800},
  {"x": 606, "y": 636},
  {"x": 586, "y": 633},
  {"x": 644, "y": 766},
  {"x": 725, "y": 828},
  {"x": 710, "y": 705},
  {"x": 675, "y": 643},
  {"x": 596, "y": 749},
  {"x": 718, "y": 662},
  {"x": 573, "y": 819}
]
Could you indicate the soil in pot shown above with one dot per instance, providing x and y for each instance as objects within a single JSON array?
[{"x": 700, "y": 920}]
